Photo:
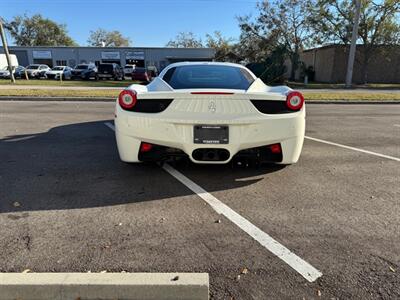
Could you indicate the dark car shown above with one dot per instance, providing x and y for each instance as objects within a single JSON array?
[
  {"x": 19, "y": 72},
  {"x": 84, "y": 71},
  {"x": 141, "y": 74},
  {"x": 110, "y": 71}
]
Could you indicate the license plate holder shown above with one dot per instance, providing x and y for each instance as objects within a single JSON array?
[{"x": 211, "y": 134}]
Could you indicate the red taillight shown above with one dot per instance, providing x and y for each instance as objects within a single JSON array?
[
  {"x": 145, "y": 147},
  {"x": 294, "y": 100},
  {"x": 127, "y": 99},
  {"x": 275, "y": 148}
]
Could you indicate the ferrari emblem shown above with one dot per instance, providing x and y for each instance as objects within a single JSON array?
[{"x": 212, "y": 106}]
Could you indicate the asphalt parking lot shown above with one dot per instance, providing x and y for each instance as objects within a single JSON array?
[{"x": 67, "y": 204}]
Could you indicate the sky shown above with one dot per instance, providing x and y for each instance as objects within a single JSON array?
[{"x": 148, "y": 23}]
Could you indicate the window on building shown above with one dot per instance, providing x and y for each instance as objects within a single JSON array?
[
  {"x": 43, "y": 61},
  {"x": 61, "y": 62}
]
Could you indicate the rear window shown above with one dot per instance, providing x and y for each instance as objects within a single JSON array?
[
  {"x": 139, "y": 70},
  {"x": 33, "y": 67},
  {"x": 81, "y": 67},
  {"x": 107, "y": 68},
  {"x": 58, "y": 68},
  {"x": 208, "y": 76}
]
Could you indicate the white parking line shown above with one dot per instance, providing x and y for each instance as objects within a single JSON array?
[
  {"x": 396, "y": 125},
  {"x": 301, "y": 266},
  {"x": 110, "y": 125},
  {"x": 353, "y": 148}
]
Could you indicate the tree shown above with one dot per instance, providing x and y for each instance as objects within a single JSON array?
[
  {"x": 224, "y": 48},
  {"x": 379, "y": 26},
  {"x": 38, "y": 31},
  {"x": 185, "y": 40},
  {"x": 253, "y": 46},
  {"x": 281, "y": 24},
  {"x": 101, "y": 37}
]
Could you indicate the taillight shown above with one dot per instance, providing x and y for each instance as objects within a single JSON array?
[
  {"x": 127, "y": 99},
  {"x": 145, "y": 147},
  {"x": 294, "y": 100},
  {"x": 275, "y": 148}
]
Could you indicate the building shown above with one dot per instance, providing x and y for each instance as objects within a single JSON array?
[
  {"x": 330, "y": 64},
  {"x": 142, "y": 57}
]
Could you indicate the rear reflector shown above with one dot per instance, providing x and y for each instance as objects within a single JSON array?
[
  {"x": 145, "y": 147},
  {"x": 211, "y": 93},
  {"x": 275, "y": 148}
]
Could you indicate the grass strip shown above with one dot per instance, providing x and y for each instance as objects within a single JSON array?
[
  {"x": 66, "y": 83},
  {"x": 342, "y": 96}
]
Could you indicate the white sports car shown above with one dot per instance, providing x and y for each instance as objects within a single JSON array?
[{"x": 212, "y": 113}]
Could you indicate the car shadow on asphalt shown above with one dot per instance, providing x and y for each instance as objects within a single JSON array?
[{"x": 77, "y": 166}]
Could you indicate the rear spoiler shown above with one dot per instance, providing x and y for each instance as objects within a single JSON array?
[
  {"x": 258, "y": 86},
  {"x": 158, "y": 85}
]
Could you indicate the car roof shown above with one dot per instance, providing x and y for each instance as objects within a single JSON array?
[
  {"x": 208, "y": 63},
  {"x": 211, "y": 63}
]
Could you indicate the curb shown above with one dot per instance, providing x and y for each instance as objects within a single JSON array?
[
  {"x": 101, "y": 99},
  {"x": 101, "y": 286}
]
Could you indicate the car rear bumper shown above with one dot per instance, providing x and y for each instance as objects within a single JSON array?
[
  {"x": 53, "y": 76},
  {"x": 33, "y": 75},
  {"x": 105, "y": 75},
  {"x": 252, "y": 132}
]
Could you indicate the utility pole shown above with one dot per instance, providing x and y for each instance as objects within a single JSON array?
[
  {"x": 354, "y": 36},
  {"x": 3, "y": 39}
]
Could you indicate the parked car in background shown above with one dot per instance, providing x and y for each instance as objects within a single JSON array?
[
  {"x": 37, "y": 71},
  {"x": 152, "y": 72},
  {"x": 128, "y": 69},
  {"x": 140, "y": 74},
  {"x": 84, "y": 71},
  {"x": 110, "y": 71},
  {"x": 19, "y": 72},
  {"x": 58, "y": 71},
  {"x": 5, "y": 73}
]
